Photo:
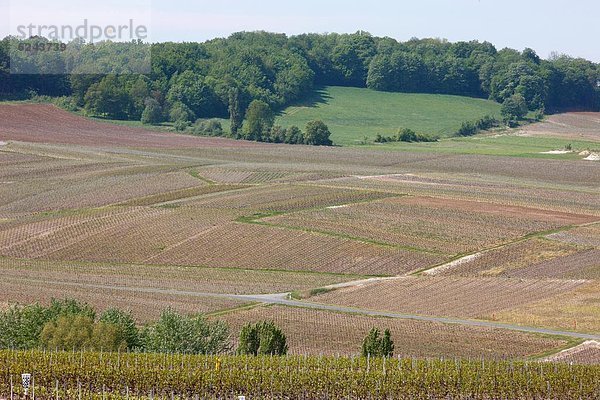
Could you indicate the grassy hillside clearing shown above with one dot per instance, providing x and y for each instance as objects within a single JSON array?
[{"x": 353, "y": 113}]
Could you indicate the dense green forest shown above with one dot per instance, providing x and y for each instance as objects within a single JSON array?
[{"x": 221, "y": 77}]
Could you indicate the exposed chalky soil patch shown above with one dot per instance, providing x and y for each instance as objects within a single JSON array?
[
  {"x": 518, "y": 260},
  {"x": 586, "y": 353}
]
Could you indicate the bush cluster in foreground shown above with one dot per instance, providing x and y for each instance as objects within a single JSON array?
[{"x": 71, "y": 325}]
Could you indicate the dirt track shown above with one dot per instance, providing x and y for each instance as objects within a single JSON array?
[{"x": 282, "y": 299}]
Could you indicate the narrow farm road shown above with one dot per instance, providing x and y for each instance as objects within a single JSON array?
[{"x": 284, "y": 300}]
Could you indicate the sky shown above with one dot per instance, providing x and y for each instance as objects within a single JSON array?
[{"x": 569, "y": 27}]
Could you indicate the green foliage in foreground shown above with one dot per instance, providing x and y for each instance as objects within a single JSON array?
[
  {"x": 262, "y": 338},
  {"x": 71, "y": 325},
  {"x": 132, "y": 375},
  {"x": 376, "y": 346},
  {"x": 21, "y": 327},
  {"x": 174, "y": 333}
]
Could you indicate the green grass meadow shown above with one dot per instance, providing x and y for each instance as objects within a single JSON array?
[
  {"x": 497, "y": 145},
  {"x": 354, "y": 113}
]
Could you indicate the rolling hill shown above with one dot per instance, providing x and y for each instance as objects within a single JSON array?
[{"x": 353, "y": 113}]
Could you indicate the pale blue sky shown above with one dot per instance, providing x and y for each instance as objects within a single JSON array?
[{"x": 570, "y": 27}]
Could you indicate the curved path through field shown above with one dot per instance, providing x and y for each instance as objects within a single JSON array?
[{"x": 284, "y": 300}]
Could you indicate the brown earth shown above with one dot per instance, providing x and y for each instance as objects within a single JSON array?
[
  {"x": 48, "y": 124},
  {"x": 448, "y": 296},
  {"x": 574, "y": 125},
  {"x": 328, "y": 333}
]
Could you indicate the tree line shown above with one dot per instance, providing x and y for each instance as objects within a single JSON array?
[
  {"x": 220, "y": 78},
  {"x": 68, "y": 324}
]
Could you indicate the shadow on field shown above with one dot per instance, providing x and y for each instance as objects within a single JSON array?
[{"x": 318, "y": 96}]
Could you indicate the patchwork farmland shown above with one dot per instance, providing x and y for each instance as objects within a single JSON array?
[{"x": 467, "y": 255}]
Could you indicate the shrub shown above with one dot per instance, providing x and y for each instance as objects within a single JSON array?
[
  {"x": 125, "y": 323},
  {"x": 485, "y": 123},
  {"x": 472, "y": 128},
  {"x": 539, "y": 115},
  {"x": 69, "y": 307},
  {"x": 383, "y": 139},
  {"x": 408, "y": 135},
  {"x": 376, "y": 346},
  {"x": 263, "y": 338},
  {"x": 79, "y": 332},
  {"x": 181, "y": 125},
  {"x": 210, "y": 127},
  {"x": 317, "y": 134},
  {"x": 152, "y": 113},
  {"x": 405, "y": 135},
  {"x": 65, "y": 102},
  {"x": 20, "y": 327},
  {"x": 467, "y": 129},
  {"x": 514, "y": 108},
  {"x": 181, "y": 112},
  {"x": 277, "y": 134},
  {"x": 174, "y": 333},
  {"x": 259, "y": 121},
  {"x": 293, "y": 135}
]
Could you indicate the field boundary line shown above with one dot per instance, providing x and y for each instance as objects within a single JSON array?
[
  {"x": 477, "y": 254},
  {"x": 343, "y": 236},
  {"x": 257, "y": 219},
  {"x": 207, "y": 195},
  {"x": 184, "y": 241}
]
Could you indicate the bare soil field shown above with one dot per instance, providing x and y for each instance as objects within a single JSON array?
[
  {"x": 426, "y": 223},
  {"x": 173, "y": 196},
  {"x": 511, "y": 260},
  {"x": 48, "y": 124},
  {"x": 327, "y": 333},
  {"x": 197, "y": 279},
  {"x": 581, "y": 265},
  {"x": 583, "y": 236},
  {"x": 192, "y": 237},
  {"x": 491, "y": 189},
  {"x": 240, "y": 175},
  {"x": 262, "y": 247},
  {"x": 575, "y": 125},
  {"x": 448, "y": 296},
  {"x": 284, "y": 198},
  {"x": 577, "y": 310},
  {"x": 145, "y": 306},
  {"x": 116, "y": 215},
  {"x": 126, "y": 234},
  {"x": 99, "y": 191}
]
